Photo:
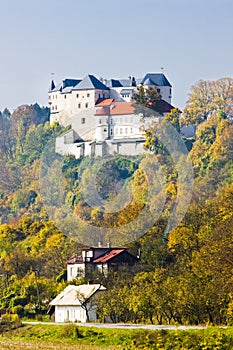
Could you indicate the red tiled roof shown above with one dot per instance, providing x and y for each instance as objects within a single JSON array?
[
  {"x": 122, "y": 108},
  {"x": 116, "y": 108},
  {"x": 106, "y": 102},
  {"x": 108, "y": 256},
  {"x": 103, "y": 111}
]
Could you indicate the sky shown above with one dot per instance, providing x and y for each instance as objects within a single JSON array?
[{"x": 189, "y": 39}]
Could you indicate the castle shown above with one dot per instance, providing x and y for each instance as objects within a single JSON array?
[{"x": 102, "y": 115}]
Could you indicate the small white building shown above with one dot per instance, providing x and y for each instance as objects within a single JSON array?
[{"x": 76, "y": 303}]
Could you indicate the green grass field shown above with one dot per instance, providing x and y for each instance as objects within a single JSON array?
[{"x": 64, "y": 337}]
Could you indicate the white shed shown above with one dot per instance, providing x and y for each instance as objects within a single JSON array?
[{"x": 77, "y": 303}]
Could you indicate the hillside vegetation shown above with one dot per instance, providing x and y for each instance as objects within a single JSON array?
[{"x": 185, "y": 276}]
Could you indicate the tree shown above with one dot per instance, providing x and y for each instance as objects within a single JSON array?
[
  {"x": 208, "y": 97},
  {"x": 146, "y": 101},
  {"x": 174, "y": 118}
]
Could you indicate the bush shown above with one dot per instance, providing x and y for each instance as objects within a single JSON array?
[
  {"x": 71, "y": 331},
  {"x": 9, "y": 322},
  {"x": 18, "y": 310}
]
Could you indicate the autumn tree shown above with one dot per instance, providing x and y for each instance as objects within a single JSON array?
[
  {"x": 208, "y": 97},
  {"x": 146, "y": 101}
]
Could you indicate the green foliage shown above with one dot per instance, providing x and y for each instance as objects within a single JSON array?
[
  {"x": 185, "y": 279},
  {"x": 146, "y": 101},
  {"x": 73, "y": 337}
]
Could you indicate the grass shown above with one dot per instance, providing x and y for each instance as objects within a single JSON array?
[{"x": 70, "y": 336}]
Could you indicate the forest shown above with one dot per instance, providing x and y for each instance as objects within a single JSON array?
[{"x": 185, "y": 275}]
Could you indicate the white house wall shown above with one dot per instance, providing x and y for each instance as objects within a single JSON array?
[
  {"x": 74, "y": 270},
  {"x": 69, "y": 314},
  {"x": 73, "y": 314}
]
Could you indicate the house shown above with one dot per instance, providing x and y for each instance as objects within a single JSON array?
[
  {"x": 101, "y": 259},
  {"x": 76, "y": 303}
]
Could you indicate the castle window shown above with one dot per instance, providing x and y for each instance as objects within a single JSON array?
[
  {"x": 111, "y": 132},
  {"x": 88, "y": 95},
  {"x": 100, "y": 121},
  {"x": 170, "y": 91},
  {"x": 86, "y": 105},
  {"x": 121, "y": 131},
  {"x": 111, "y": 121},
  {"x": 79, "y": 105},
  {"x": 159, "y": 90},
  {"x": 105, "y": 130},
  {"x": 83, "y": 120},
  {"x": 103, "y": 95},
  {"x": 64, "y": 96},
  {"x": 116, "y": 131},
  {"x": 77, "y": 95},
  {"x": 126, "y": 131}
]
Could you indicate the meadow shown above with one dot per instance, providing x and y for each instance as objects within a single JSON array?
[{"x": 75, "y": 337}]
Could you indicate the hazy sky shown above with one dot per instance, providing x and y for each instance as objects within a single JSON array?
[{"x": 192, "y": 40}]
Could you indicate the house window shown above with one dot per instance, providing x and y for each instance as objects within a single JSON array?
[
  {"x": 111, "y": 132},
  {"x": 86, "y": 105},
  {"x": 121, "y": 131},
  {"x": 83, "y": 121},
  {"x": 79, "y": 105},
  {"x": 79, "y": 272},
  {"x": 64, "y": 96},
  {"x": 88, "y": 95},
  {"x": 131, "y": 130},
  {"x": 116, "y": 131},
  {"x": 111, "y": 121},
  {"x": 105, "y": 130},
  {"x": 77, "y": 95},
  {"x": 126, "y": 131},
  {"x": 159, "y": 90},
  {"x": 103, "y": 95},
  {"x": 100, "y": 121}
]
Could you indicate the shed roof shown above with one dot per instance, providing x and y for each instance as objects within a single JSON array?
[{"x": 69, "y": 296}]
